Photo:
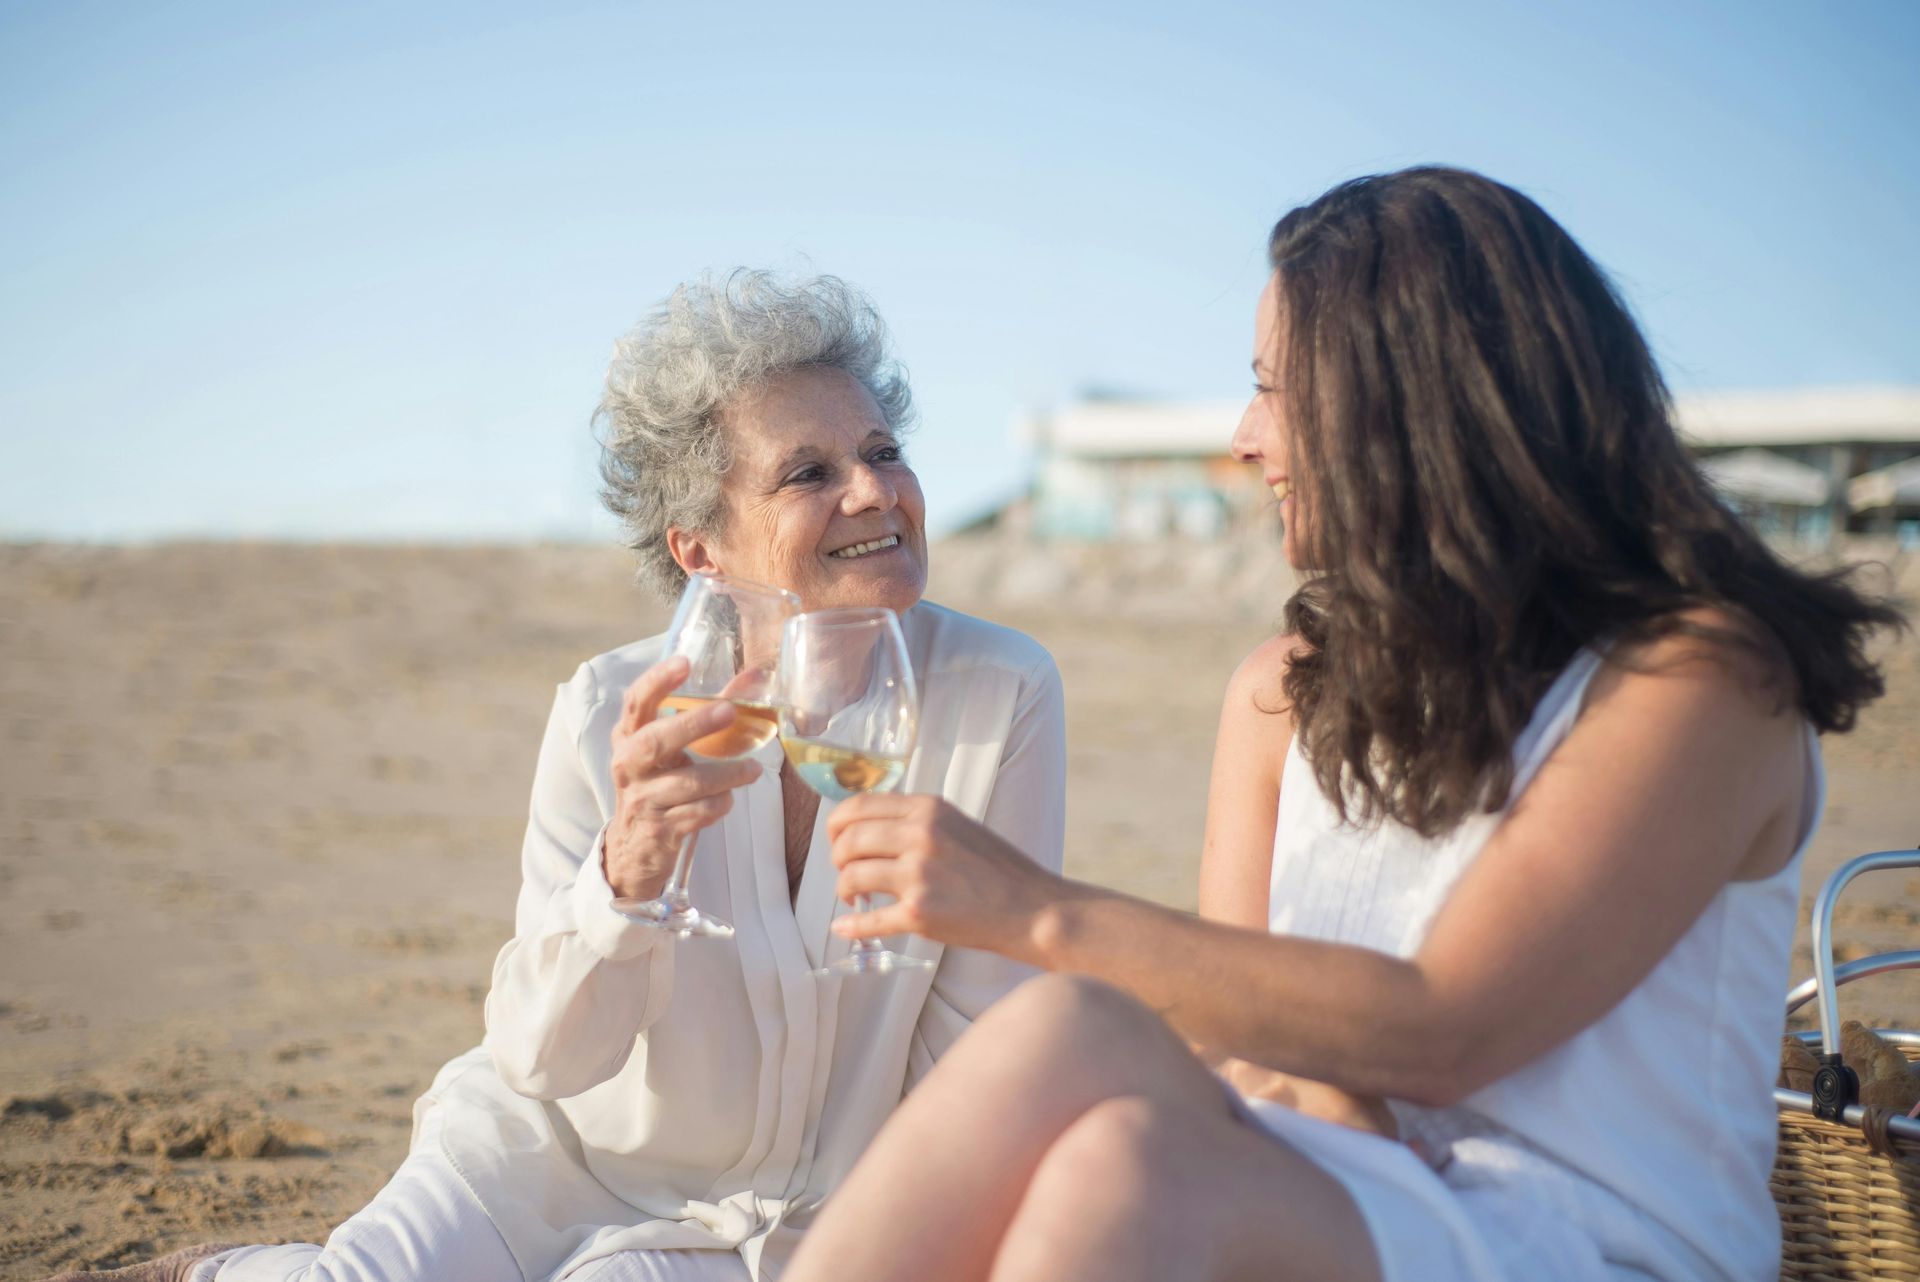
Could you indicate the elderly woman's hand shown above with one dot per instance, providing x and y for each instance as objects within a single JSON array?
[
  {"x": 661, "y": 795},
  {"x": 951, "y": 878}
]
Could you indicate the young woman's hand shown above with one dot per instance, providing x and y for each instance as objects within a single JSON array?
[
  {"x": 1315, "y": 1099},
  {"x": 951, "y": 878}
]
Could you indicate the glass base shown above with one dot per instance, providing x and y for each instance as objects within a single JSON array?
[
  {"x": 872, "y": 959},
  {"x": 676, "y": 917}
]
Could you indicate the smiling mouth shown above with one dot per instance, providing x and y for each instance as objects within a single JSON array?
[
  {"x": 866, "y": 549},
  {"x": 1282, "y": 490}
]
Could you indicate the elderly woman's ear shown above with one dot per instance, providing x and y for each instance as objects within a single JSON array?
[{"x": 691, "y": 552}]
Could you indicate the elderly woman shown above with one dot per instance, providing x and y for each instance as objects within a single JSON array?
[{"x": 645, "y": 1108}]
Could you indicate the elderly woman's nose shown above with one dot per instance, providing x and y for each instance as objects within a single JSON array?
[{"x": 868, "y": 489}]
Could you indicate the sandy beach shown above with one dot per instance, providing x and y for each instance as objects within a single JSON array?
[{"x": 260, "y": 827}]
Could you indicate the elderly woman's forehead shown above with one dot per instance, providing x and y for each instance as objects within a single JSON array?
[
  {"x": 812, "y": 402},
  {"x": 813, "y": 384}
]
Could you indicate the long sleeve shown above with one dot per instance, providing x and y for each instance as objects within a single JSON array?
[
  {"x": 704, "y": 1096},
  {"x": 577, "y": 983},
  {"x": 1028, "y": 807}
]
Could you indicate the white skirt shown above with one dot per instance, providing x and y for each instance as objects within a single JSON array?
[{"x": 1495, "y": 1213}]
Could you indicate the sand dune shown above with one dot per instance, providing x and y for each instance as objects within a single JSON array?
[{"x": 260, "y": 821}]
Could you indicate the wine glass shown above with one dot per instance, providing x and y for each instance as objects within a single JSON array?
[
  {"x": 848, "y": 714},
  {"x": 728, "y": 630}
]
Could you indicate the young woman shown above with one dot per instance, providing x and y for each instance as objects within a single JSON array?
[{"x": 1503, "y": 847}]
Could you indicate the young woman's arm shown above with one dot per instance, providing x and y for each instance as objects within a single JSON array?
[
  {"x": 1236, "y": 864},
  {"x": 1680, "y": 776},
  {"x": 1243, "y": 799}
]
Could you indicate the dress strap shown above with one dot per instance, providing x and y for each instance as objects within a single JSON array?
[{"x": 1553, "y": 717}]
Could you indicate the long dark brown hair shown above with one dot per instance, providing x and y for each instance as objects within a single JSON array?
[{"x": 1489, "y": 479}]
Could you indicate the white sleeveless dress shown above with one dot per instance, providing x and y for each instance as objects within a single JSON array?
[{"x": 1639, "y": 1148}]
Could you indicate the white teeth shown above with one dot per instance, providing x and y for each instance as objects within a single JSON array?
[
  {"x": 1283, "y": 489},
  {"x": 861, "y": 549}
]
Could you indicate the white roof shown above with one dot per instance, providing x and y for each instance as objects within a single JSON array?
[
  {"x": 1765, "y": 477},
  {"x": 1118, "y": 429},
  {"x": 1803, "y": 416}
]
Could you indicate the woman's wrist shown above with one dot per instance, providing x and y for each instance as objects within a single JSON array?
[
  {"x": 1055, "y": 927},
  {"x": 628, "y": 876}
]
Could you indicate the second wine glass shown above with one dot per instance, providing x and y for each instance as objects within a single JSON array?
[{"x": 849, "y": 712}]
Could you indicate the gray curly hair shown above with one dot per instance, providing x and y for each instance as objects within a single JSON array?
[{"x": 663, "y": 450}]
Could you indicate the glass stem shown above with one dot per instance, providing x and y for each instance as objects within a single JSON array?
[
  {"x": 675, "y": 891},
  {"x": 864, "y": 947}
]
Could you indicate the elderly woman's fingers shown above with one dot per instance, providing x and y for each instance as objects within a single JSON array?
[
  {"x": 682, "y": 821},
  {"x": 659, "y": 747},
  {"x": 643, "y": 696},
  {"x": 662, "y": 744},
  {"x": 648, "y": 774},
  {"x": 699, "y": 780}
]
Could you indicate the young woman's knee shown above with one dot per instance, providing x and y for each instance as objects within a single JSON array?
[
  {"x": 1096, "y": 1204},
  {"x": 1116, "y": 1151},
  {"x": 1072, "y": 1012}
]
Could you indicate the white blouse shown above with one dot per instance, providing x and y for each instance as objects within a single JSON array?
[
  {"x": 638, "y": 1092},
  {"x": 1584, "y": 1154}
]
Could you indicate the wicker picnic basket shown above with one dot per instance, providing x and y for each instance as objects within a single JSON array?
[{"x": 1847, "y": 1178}]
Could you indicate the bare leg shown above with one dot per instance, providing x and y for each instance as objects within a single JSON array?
[
  {"x": 934, "y": 1197},
  {"x": 1137, "y": 1191}
]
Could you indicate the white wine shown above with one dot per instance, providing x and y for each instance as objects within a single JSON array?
[
  {"x": 753, "y": 725},
  {"x": 838, "y": 773}
]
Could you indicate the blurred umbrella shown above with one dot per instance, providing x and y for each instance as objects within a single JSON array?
[{"x": 1896, "y": 486}]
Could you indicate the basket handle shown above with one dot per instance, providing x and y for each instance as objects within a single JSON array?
[
  {"x": 1835, "y": 1086},
  {"x": 1846, "y": 972}
]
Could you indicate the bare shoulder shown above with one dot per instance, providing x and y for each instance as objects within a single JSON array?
[
  {"x": 1256, "y": 683},
  {"x": 1256, "y": 719},
  {"x": 1708, "y": 658},
  {"x": 1708, "y": 704}
]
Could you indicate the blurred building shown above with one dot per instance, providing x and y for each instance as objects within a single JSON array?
[{"x": 1802, "y": 465}]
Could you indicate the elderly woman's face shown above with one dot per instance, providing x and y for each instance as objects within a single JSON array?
[{"x": 819, "y": 499}]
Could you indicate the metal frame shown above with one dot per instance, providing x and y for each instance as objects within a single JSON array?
[{"x": 1827, "y": 979}]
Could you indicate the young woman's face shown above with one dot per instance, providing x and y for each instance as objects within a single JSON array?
[
  {"x": 1262, "y": 437},
  {"x": 819, "y": 500}
]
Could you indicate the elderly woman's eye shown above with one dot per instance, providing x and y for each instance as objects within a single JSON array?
[{"x": 887, "y": 454}]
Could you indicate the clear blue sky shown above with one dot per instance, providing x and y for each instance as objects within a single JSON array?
[{"x": 354, "y": 269}]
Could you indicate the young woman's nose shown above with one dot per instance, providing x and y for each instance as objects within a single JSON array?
[{"x": 1245, "y": 443}]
